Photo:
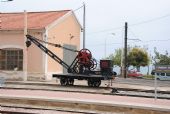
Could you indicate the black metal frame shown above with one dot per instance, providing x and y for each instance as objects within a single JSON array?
[{"x": 76, "y": 70}]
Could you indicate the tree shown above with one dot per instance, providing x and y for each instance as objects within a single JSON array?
[
  {"x": 164, "y": 59},
  {"x": 116, "y": 57},
  {"x": 138, "y": 57}
]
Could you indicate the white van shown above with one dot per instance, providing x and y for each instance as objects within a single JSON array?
[{"x": 161, "y": 75}]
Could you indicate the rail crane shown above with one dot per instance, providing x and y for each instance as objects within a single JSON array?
[{"x": 83, "y": 66}]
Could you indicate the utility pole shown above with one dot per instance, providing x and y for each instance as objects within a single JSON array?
[
  {"x": 125, "y": 51},
  {"x": 84, "y": 24},
  {"x": 25, "y": 48}
]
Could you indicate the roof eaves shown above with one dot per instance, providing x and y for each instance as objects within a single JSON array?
[
  {"x": 77, "y": 20},
  {"x": 58, "y": 20},
  {"x": 32, "y": 12},
  {"x": 37, "y": 29}
]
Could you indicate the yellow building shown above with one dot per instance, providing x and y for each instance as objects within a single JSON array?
[{"x": 19, "y": 62}]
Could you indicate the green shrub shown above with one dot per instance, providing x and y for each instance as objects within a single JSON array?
[{"x": 148, "y": 77}]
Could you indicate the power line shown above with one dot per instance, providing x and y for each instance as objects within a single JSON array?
[
  {"x": 135, "y": 24},
  {"x": 151, "y": 20},
  {"x": 148, "y": 41},
  {"x": 132, "y": 33},
  {"x": 78, "y": 8},
  {"x": 103, "y": 44},
  {"x": 105, "y": 30},
  {"x": 130, "y": 42},
  {"x": 156, "y": 40}
]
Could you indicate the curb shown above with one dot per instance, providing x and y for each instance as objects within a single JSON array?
[{"x": 77, "y": 104}]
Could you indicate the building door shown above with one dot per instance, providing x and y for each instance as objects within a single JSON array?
[{"x": 68, "y": 56}]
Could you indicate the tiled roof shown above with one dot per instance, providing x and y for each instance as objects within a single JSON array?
[{"x": 35, "y": 20}]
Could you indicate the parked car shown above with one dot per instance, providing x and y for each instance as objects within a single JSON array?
[
  {"x": 161, "y": 74},
  {"x": 134, "y": 74}
]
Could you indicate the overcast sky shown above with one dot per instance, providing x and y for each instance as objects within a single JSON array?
[{"x": 148, "y": 20}]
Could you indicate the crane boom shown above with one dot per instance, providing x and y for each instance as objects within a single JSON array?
[{"x": 47, "y": 51}]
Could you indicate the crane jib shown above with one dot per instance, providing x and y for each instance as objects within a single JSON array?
[
  {"x": 47, "y": 51},
  {"x": 52, "y": 44}
]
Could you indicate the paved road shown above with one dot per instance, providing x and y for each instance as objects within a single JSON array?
[{"x": 144, "y": 82}]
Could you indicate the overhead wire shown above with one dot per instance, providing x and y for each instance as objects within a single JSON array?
[
  {"x": 78, "y": 8},
  {"x": 105, "y": 30},
  {"x": 156, "y": 40},
  {"x": 103, "y": 44},
  {"x": 150, "y": 20},
  {"x": 135, "y": 24},
  {"x": 148, "y": 40},
  {"x": 132, "y": 33}
]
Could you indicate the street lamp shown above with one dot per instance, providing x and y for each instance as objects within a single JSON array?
[
  {"x": 134, "y": 39},
  {"x": 105, "y": 44}
]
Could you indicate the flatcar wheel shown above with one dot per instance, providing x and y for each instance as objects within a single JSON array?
[
  {"x": 63, "y": 81},
  {"x": 90, "y": 83},
  {"x": 71, "y": 81},
  {"x": 97, "y": 83}
]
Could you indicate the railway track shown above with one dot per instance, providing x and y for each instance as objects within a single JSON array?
[
  {"x": 91, "y": 90},
  {"x": 27, "y": 110}
]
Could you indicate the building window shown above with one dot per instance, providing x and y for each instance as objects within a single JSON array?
[{"x": 11, "y": 59}]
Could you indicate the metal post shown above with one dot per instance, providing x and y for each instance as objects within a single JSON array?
[
  {"x": 155, "y": 81},
  {"x": 125, "y": 51},
  {"x": 25, "y": 48},
  {"x": 122, "y": 55},
  {"x": 84, "y": 24},
  {"x": 105, "y": 48},
  {"x": 155, "y": 84}
]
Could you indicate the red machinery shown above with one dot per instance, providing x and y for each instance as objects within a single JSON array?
[{"x": 82, "y": 68}]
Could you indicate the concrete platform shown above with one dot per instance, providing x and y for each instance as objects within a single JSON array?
[{"x": 83, "y": 102}]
